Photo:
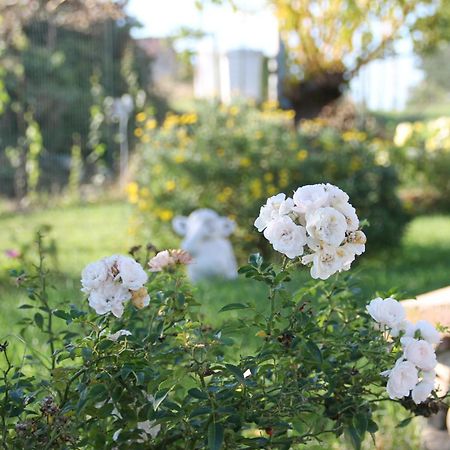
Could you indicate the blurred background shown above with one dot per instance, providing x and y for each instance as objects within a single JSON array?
[{"x": 116, "y": 116}]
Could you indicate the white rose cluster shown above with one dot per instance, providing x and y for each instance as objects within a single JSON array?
[
  {"x": 318, "y": 223},
  {"x": 414, "y": 372},
  {"x": 112, "y": 281}
]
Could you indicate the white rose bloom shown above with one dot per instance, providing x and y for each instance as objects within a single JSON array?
[
  {"x": 131, "y": 273},
  {"x": 387, "y": 312},
  {"x": 429, "y": 376},
  {"x": 276, "y": 206},
  {"x": 286, "y": 237},
  {"x": 428, "y": 332},
  {"x": 109, "y": 297},
  {"x": 405, "y": 326},
  {"x": 328, "y": 260},
  {"x": 327, "y": 225},
  {"x": 422, "y": 391},
  {"x": 93, "y": 275},
  {"x": 350, "y": 215},
  {"x": 402, "y": 379},
  {"x": 310, "y": 197},
  {"x": 336, "y": 195},
  {"x": 419, "y": 352}
]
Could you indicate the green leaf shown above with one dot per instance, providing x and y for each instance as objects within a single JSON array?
[
  {"x": 26, "y": 306},
  {"x": 354, "y": 437},
  {"x": 404, "y": 422},
  {"x": 232, "y": 306},
  {"x": 200, "y": 411},
  {"x": 255, "y": 259},
  {"x": 39, "y": 320},
  {"x": 314, "y": 351},
  {"x": 236, "y": 371},
  {"x": 197, "y": 393},
  {"x": 372, "y": 427},
  {"x": 360, "y": 422},
  {"x": 215, "y": 436},
  {"x": 62, "y": 314}
]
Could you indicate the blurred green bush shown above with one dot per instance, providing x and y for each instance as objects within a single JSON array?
[
  {"x": 232, "y": 158},
  {"x": 423, "y": 152}
]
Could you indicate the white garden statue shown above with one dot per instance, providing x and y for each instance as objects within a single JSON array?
[{"x": 206, "y": 239}]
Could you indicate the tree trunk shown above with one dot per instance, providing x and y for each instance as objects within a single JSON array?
[{"x": 309, "y": 97}]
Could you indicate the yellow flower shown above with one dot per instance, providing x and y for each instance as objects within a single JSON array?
[
  {"x": 234, "y": 110},
  {"x": 226, "y": 193},
  {"x": 132, "y": 187},
  {"x": 188, "y": 119},
  {"x": 290, "y": 114},
  {"x": 354, "y": 135},
  {"x": 268, "y": 177},
  {"x": 132, "y": 190},
  {"x": 179, "y": 158},
  {"x": 259, "y": 134},
  {"x": 302, "y": 155},
  {"x": 245, "y": 162},
  {"x": 220, "y": 152},
  {"x": 138, "y": 132},
  {"x": 256, "y": 188},
  {"x": 145, "y": 139},
  {"x": 165, "y": 214},
  {"x": 270, "y": 105},
  {"x": 271, "y": 189},
  {"x": 171, "y": 121},
  {"x": 170, "y": 185},
  {"x": 151, "y": 124},
  {"x": 283, "y": 178},
  {"x": 140, "y": 117}
]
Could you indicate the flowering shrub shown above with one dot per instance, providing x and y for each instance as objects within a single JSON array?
[
  {"x": 231, "y": 159},
  {"x": 423, "y": 152},
  {"x": 141, "y": 368}
]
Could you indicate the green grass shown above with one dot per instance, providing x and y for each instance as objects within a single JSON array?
[{"x": 85, "y": 233}]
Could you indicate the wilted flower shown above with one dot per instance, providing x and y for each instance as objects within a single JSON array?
[
  {"x": 181, "y": 256},
  {"x": 168, "y": 258},
  {"x": 140, "y": 298},
  {"x": 160, "y": 261}
]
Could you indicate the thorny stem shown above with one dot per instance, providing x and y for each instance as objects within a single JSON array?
[{"x": 44, "y": 299}]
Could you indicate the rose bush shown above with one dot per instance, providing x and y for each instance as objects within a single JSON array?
[
  {"x": 232, "y": 158},
  {"x": 138, "y": 366}
]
